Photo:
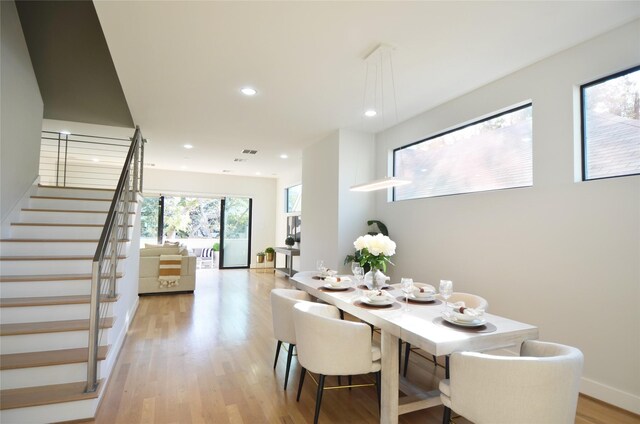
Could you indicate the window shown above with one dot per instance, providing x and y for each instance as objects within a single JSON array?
[
  {"x": 611, "y": 126},
  {"x": 293, "y": 199},
  {"x": 490, "y": 154}
]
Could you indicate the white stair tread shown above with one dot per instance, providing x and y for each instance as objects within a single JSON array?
[
  {"x": 50, "y": 300},
  {"x": 50, "y": 277}
]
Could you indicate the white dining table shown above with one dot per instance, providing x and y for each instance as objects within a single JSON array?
[{"x": 421, "y": 326}]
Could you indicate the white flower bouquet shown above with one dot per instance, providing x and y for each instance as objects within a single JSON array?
[{"x": 375, "y": 250}]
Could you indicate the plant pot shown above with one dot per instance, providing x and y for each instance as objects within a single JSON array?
[
  {"x": 269, "y": 256},
  {"x": 260, "y": 259}
]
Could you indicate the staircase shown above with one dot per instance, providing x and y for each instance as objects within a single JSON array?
[{"x": 45, "y": 286}]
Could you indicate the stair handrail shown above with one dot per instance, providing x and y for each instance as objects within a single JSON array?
[{"x": 115, "y": 230}]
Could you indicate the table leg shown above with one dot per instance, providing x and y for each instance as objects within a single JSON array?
[{"x": 390, "y": 379}]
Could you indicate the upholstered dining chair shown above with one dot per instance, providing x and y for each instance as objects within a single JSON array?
[
  {"x": 539, "y": 386},
  {"x": 329, "y": 346},
  {"x": 470, "y": 301},
  {"x": 282, "y": 301}
]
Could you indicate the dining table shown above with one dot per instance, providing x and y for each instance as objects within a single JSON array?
[{"x": 423, "y": 326}]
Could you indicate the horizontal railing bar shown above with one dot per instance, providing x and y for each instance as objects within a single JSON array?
[
  {"x": 84, "y": 135},
  {"x": 86, "y": 142}
]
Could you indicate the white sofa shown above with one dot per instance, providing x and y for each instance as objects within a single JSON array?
[{"x": 149, "y": 265}]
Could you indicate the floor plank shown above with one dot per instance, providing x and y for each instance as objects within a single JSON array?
[{"x": 207, "y": 357}]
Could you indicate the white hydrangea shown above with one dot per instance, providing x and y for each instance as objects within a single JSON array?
[{"x": 376, "y": 245}]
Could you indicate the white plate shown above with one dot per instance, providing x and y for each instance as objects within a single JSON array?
[
  {"x": 328, "y": 286},
  {"x": 422, "y": 299},
  {"x": 475, "y": 323},
  {"x": 385, "y": 302}
]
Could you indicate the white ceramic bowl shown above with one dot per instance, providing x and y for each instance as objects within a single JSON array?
[
  {"x": 464, "y": 317},
  {"x": 333, "y": 281},
  {"x": 376, "y": 296},
  {"x": 423, "y": 292}
]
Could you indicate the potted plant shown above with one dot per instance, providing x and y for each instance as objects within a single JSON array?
[
  {"x": 269, "y": 252},
  {"x": 289, "y": 241},
  {"x": 260, "y": 257}
]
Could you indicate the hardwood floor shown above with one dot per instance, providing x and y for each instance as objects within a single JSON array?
[{"x": 208, "y": 358}]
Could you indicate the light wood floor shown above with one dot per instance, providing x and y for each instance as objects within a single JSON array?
[{"x": 208, "y": 357}]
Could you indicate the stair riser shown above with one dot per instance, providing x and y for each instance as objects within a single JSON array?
[
  {"x": 65, "y": 233},
  {"x": 44, "y": 376},
  {"x": 48, "y": 267},
  {"x": 47, "y": 248},
  {"x": 64, "y": 204},
  {"x": 46, "y": 288},
  {"x": 48, "y": 341},
  {"x": 50, "y": 313},
  {"x": 69, "y": 411},
  {"x": 68, "y": 192},
  {"x": 62, "y": 217}
]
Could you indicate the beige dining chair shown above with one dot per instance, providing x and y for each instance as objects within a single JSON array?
[
  {"x": 282, "y": 301},
  {"x": 539, "y": 386},
  {"x": 329, "y": 346},
  {"x": 470, "y": 301}
]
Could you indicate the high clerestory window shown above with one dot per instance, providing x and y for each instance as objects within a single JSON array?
[
  {"x": 611, "y": 126},
  {"x": 489, "y": 154}
]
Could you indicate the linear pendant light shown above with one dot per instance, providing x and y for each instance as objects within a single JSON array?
[
  {"x": 387, "y": 182},
  {"x": 376, "y": 59}
]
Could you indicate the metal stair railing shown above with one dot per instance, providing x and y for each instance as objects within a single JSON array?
[
  {"x": 104, "y": 270},
  {"x": 79, "y": 160}
]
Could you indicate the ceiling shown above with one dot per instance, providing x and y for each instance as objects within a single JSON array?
[
  {"x": 181, "y": 65},
  {"x": 71, "y": 60}
]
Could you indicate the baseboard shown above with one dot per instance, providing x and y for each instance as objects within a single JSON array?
[
  {"x": 611, "y": 395},
  {"x": 14, "y": 215}
]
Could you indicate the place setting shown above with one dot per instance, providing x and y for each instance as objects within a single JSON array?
[
  {"x": 459, "y": 317},
  {"x": 417, "y": 293},
  {"x": 377, "y": 299}
]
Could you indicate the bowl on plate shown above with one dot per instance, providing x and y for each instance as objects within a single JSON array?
[
  {"x": 423, "y": 292},
  {"x": 333, "y": 281},
  {"x": 377, "y": 296},
  {"x": 468, "y": 317}
]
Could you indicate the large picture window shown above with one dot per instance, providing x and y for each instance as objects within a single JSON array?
[
  {"x": 611, "y": 126},
  {"x": 491, "y": 154}
]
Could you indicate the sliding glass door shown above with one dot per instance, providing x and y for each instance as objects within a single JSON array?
[{"x": 235, "y": 232}]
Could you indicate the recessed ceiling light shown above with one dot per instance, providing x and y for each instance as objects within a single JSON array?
[
  {"x": 65, "y": 132},
  {"x": 248, "y": 91},
  {"x": 284, "y": 156},
  {"x": 370, "y": 113},
  {"x": 95, "y": 160},
  {"x": 258, "y": 173},
  {"x": 188, "y": 146}
]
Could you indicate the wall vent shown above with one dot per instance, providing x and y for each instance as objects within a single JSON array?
[
  {"x": 249, "y": 151},
  {"x": 239, "y": 160}
]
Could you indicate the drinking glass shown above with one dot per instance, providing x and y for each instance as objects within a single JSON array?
[
  {"x": 354, "y": 265},
  {"x": 358, "y": 275},
  {"x": 406, "y": 284},
  {"x": 446, "y": 290},
  {"x": 320, "y": 267}
]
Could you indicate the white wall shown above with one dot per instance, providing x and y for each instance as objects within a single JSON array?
[
  {"x": 564, "y": 254},
  {"x": 356, "y": 162},
  {"x": 320, "y": 169},
  {"x": 332, "y": 216},
  {"x": 261, "y": 190},
  {"x": 21, "y": 117}
]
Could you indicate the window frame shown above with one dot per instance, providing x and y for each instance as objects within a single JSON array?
[
  {"x": 525, "y": 105},
  {"x": 583, "y": 123}
]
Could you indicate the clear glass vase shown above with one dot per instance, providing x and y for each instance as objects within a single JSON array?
[{"x": 375, "y": 279}]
